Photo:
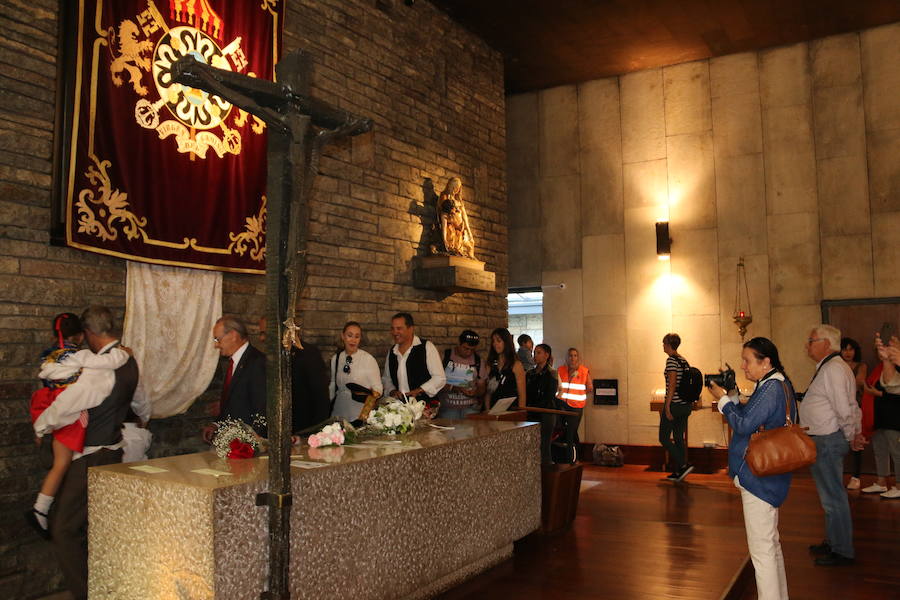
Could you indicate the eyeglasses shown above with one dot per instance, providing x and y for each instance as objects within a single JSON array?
[
  {"x": 347, "y": 363},
  {"x": 812, "y": 340}
]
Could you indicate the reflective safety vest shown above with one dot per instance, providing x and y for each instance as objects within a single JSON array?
[{"x": 573, "y": 389}]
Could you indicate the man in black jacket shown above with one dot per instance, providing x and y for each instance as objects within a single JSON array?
[
  {"x": 244, "y": 386},
  {"x": 310, "y": 404}
]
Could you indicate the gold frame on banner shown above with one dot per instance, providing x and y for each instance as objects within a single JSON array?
[{"x": 102, "y": 210}]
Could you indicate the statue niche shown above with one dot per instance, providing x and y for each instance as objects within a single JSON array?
[
  {"x": 451, "y": 265},
  {"x": 454, "y": 236}
]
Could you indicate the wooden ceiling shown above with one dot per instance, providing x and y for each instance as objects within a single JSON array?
[{"x": 555, "y": 42}]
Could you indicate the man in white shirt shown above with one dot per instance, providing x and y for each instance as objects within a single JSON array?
[
  {"x": 102, "y": 443},
  {"x": 413, "y": 366},
  {"x": 830, "y": 412}
]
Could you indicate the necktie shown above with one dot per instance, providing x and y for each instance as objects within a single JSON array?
[{"x": 227, "y": 383}]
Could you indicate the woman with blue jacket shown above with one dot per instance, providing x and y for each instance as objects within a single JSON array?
[{"x": 761, "y": 496}]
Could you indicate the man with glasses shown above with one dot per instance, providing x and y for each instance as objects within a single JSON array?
[
  {"x": 413, "y": 367},
  {"x": 830, "y": 412},
  {"x": 465, "y": 378},
  {"x": 244, "y": 386}
]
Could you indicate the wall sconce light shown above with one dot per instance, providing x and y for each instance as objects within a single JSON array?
[
  {"x": 663, "y": 241},
  {"x": 742, "y": 316}
]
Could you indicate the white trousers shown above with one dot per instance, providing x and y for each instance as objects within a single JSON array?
[{"x": 761, "y": 522}]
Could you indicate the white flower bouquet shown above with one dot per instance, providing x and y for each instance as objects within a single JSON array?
[{"x": 395, "y": 417}]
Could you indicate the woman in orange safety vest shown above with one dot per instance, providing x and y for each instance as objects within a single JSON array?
[{"x": 574, "y": 385}]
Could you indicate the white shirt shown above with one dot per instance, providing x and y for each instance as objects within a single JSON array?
[
  {"x": 363, "y": 371},
  {"x": 830, "y": 401},
  {"x": 92, "y": 387},
  {"x": 432, "y": 361},
  {"x": 236, "y": 357}
]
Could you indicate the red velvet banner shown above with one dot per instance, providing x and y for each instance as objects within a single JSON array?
[{"x": 160, "y": 172}]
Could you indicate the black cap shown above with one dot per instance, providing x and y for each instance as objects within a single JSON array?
[{"x": 469, "y": 338}]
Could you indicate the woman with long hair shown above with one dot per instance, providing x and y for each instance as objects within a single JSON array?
[
  {"x": 506, "y": 378},
  {"x": 540, "y": 391},
  {"x": 852, "y": 354},
  {"x": 772, "y": 396},
  {"x": 352, "y": 364}
]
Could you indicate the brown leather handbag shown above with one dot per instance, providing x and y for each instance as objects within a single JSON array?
[{"x": 781, "y": 450}]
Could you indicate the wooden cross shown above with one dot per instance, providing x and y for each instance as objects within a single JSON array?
[{"x": 299, "y": 126}]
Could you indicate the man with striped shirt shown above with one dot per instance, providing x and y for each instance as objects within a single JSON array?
[{"x": 674, "y": 415}]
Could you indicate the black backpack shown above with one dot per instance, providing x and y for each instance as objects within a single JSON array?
[{"x": 691, "y": 384}]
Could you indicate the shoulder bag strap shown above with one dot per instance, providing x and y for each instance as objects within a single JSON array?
[
  {"x": 337, "y": 360},
  {"x": 822, "y": 364},
  {"x": 788, "y": 396},
  {"x": 787, "y": 407}
]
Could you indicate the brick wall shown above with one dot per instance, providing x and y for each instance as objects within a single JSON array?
[{"x": 435, "y": 93}]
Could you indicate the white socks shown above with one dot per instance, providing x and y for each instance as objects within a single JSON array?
[{"x": 42, "y": 508}]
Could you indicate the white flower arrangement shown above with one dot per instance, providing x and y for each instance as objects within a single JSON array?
[{"x": 396, "y": 417}]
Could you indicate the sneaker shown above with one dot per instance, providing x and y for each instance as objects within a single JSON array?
[
  {"x": 684, "y": 472},
  {"x": 820, "y": 549},
  {"x": 874, "y": 489},
  {"x": 891, "y": 493},
  {"x": 672, "y": 476},
  {"x": 853, "y": 484}
]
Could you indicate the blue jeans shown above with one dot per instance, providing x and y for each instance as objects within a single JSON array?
[
  {"x": 828, "y": 473},
  {"x": 453, "y": 412}
]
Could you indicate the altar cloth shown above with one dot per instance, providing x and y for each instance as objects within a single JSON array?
[{"x": 406, "y": 520}]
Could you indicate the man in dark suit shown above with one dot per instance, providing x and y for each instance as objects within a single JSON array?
[
  {"x": 310, "y": 404},
  {"x": 102, "y": 445},
  {"x": 244, "y": 385}
]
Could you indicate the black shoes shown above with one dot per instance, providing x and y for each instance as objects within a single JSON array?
[
  {"x": 31, "y": 519},
  {"x": 833, "y": 559},
  {"x": 681, "y": 473},
  {"x": 820, "y": 549},
  {"x": 684, "y": 472}
]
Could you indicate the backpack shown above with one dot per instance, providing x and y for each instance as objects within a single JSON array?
[
  {"x": 477, "y": 365},
  {"x": 608, "y": 456},
  {"x": 691, "y": 384}
]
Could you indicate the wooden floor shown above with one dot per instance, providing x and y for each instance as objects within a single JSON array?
[{"x": 638, "y": 537}]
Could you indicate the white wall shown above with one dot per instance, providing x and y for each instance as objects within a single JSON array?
[{"x": 787, "y": 157}]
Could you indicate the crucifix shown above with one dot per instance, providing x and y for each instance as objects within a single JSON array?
[{"x": 299, "y": 127}]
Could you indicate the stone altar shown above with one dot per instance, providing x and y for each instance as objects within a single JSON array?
[{"x": 400, "y": 520}]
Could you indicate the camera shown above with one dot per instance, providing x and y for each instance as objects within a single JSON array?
[{"x": 725, "y": 379}]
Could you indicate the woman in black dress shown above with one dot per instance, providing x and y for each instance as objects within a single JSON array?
[
  {"x": 540, "y": 391},
  {"x": 507, "y": 377}
]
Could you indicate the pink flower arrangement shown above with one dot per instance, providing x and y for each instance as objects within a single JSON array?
[{"x": 331, "y": 435}]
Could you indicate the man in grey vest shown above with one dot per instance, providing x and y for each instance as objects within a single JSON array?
[{"x": 102, "y": 445}]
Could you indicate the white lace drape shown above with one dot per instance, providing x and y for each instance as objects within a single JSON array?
[{"x": 169, "y": 316}]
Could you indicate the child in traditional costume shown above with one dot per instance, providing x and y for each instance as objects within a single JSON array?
[{"x": 61, "y": 365}]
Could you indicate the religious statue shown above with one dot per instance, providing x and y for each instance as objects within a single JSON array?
[{"x": 455, "y": 233}]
